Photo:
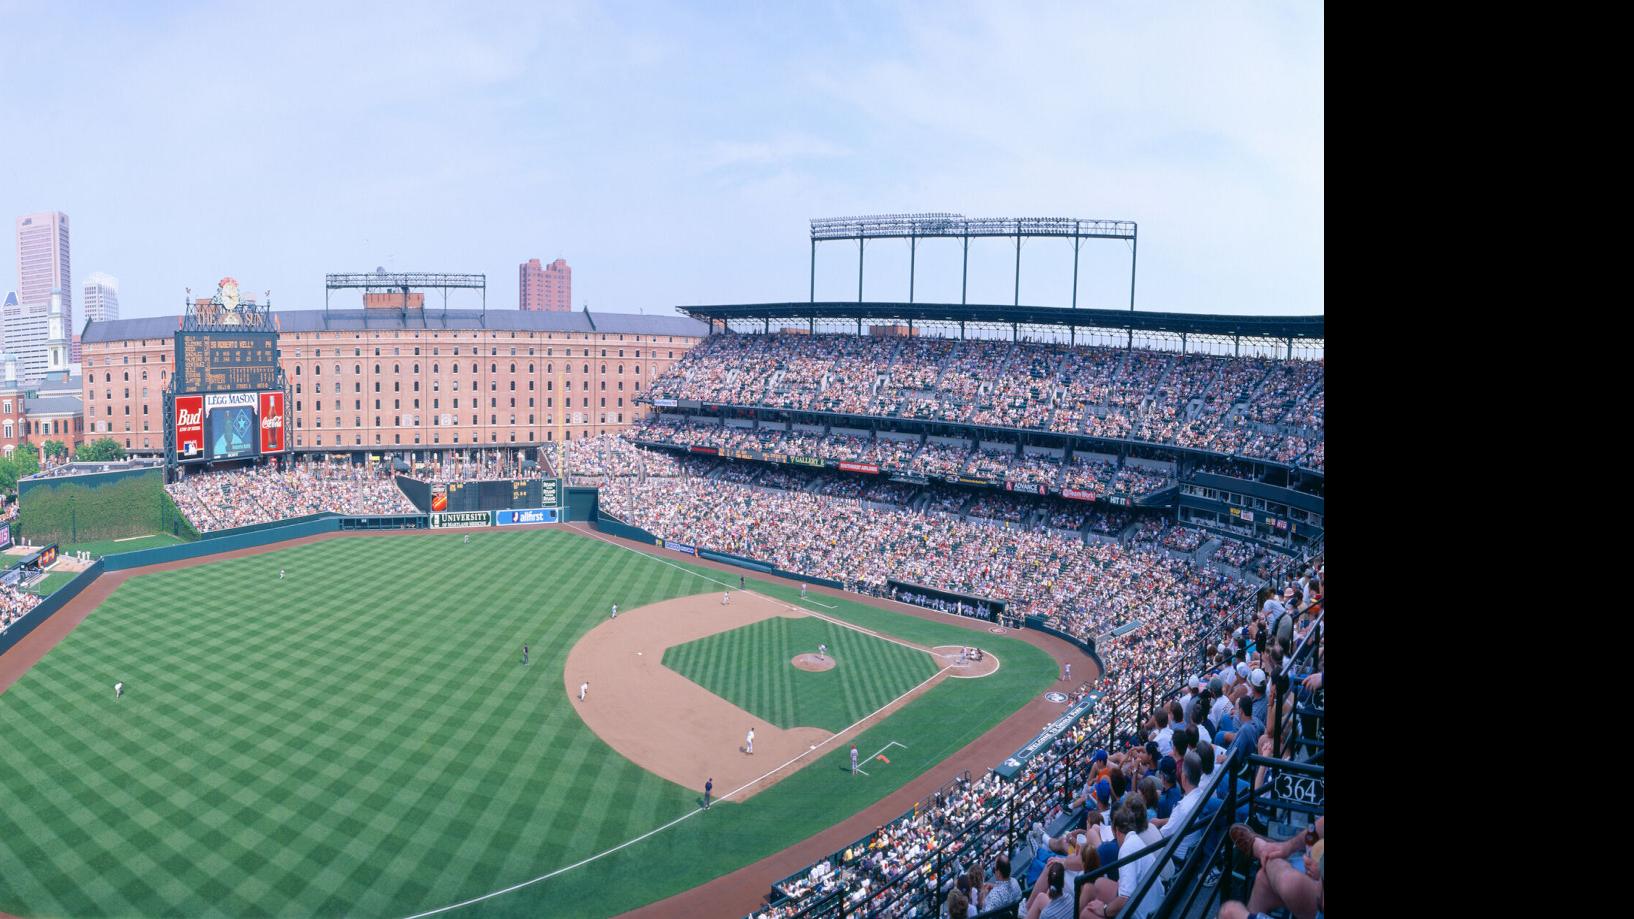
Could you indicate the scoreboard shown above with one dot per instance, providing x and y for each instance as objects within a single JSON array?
[
  {"x": 226, "y": 361},
  {"x": 503, "y": 494}
]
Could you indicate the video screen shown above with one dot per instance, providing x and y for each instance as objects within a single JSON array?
[{"x": 232, "y": 432}]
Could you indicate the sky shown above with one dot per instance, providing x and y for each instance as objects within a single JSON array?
[{"x": 673, "y": 153}]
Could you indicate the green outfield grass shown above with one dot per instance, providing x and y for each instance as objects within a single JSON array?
[
  {"x": 362, "y": 739},
  {"x": 115, "y": 546},
  {"x": 749, "y": 667}
]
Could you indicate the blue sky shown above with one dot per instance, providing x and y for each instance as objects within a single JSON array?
[{"x": 672, "y": 153}]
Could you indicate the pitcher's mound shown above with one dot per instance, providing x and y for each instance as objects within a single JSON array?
[{"x": 813, "y": 662}]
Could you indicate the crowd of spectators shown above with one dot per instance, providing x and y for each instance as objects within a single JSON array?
[
  {"x": 1085, "y": 587},
  {"x": 992, "y": 461},
  {"x": 14, "y": 605},
  {"x": 1257, "y": 406},
  {"x": 1130, "y": 795},
  {"x": 220, "y": 500},
  {"x": 590, "y": 460}
]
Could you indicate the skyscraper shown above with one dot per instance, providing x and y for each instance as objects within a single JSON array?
[
  {"x": 43, "y": 263},
  {"x": 548, "y": 288},
  {"x": 101, "y": 302}
]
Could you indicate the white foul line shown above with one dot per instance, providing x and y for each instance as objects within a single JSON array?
[{"x": 691, "y": 813}]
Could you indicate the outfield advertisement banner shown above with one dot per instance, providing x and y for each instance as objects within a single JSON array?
[
  {"x": 680, "y": 547},
  {"x": 1024, "y": 487},
  {"x": 1011, "y": 767},
  {"x": 869, "y": 468},
  {"x": 460, "y": 519},
  {"x": 527, "y": 515},
  {"x": 272, "y": 422},
  {"x": 5, "y": 535},
  {"x": 189, "y": 428},
  {"x": 1077, "y": 495}
]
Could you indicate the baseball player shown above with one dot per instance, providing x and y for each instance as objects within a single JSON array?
[
  {"x": 615, "y": 610},
  {"x": 118, "y": 690},
  {"x": 524, "y": 655},
  {"x": 740, "y": 582},
  {"x": 1067, "y": 674},
  {"x": 802, "y": 590},
  {"x": 709, "y": 789},
  {"x": 280, "y": 574},
  {"x": 822, "y": 650},
  {"x": 583, "y": 688},
  {"x": 749, "y": 743},
  {"x": 468, "y": 539},
  {"x": 853, "y": 759},
  {"x": 726, "y": 598}
]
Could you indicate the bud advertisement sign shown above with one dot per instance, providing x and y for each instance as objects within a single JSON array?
[
  {"x": 272, "y": 422},
  {"x": 189, "y": 428},
  {"x": 229, "y": 419}
]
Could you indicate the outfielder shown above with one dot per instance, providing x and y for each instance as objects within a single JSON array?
[
  {"x": 615, "y": 610},
  {"x": 119, "y": 690},
  {"x": 749, "y": 743},
  {"x": 524, "y": 655},
  {"x": 583, "y": 688},
  {"x": 280, "y": 574}
]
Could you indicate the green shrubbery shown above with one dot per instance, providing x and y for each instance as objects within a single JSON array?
[{"x": 109, "y": 505}]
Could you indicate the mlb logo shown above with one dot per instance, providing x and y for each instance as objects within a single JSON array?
[{"x": 191, "y": 448}]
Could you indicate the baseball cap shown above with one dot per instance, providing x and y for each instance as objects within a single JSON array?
[
  {"x": 1215, "y": 686},
  {"x": 1099, "y": 756},
  {"x": 1103, "y": 792},
  {"x": 1257, "y": 677},
  {"x": 1195, "y": 683},
  {"x": 1242, "y": 669}
]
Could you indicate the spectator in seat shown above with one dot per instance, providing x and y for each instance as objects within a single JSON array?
[
  {"x": 1281, "y": 884},
  {"x": 1003, "y": 890},
  {"x": 1111, "y": 898}
]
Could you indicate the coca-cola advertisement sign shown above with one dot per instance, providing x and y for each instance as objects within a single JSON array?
[
  {"x": 189, "y": 428},
  {"x": 272, "y": 422}
]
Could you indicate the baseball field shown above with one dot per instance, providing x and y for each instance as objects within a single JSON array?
[{"x": 361, "y": 737}]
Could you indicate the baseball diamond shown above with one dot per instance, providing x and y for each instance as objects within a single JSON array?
[{"x": 361, "y": 737}]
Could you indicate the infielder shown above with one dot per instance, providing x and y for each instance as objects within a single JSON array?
[
  {"x": 119, "y": 690},
  {"x": 615, "y": 610},
  {"x": 853, "y": 759},
  {"x": 726, "y": 598},
  {"x": 822, "y": 650},
  {"x": 583, "y": 688},
  {"x": 749, "y": 743}
]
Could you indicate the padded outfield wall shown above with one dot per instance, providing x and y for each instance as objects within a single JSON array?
[{"x": 98, "y": 506}]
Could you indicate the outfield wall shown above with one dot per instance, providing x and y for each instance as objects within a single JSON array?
[{"x": 48, "y": 606}]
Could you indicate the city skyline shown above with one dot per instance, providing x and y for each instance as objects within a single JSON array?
[{"x": 674, "y": 155}]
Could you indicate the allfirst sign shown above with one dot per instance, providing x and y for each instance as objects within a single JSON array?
[{"x": 529, "y": 515}]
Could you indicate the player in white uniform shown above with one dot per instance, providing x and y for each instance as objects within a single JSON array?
[
  {"x": 802, "y": 590},
  {"x": 280, "y": 574},
  {"x": 615, "y": 610},
  {"x": 118, "y": 690},
  {"x": 583, "y": 688},
  {"x": 749, "y": 743},
  {"x": 468, "y": 539},
  {"x": 726, "y": 598}
]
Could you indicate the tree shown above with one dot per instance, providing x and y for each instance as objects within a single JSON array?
[
  {"x": 25, "y": 461},
  {"x": 8, "y": 473},
  {"x": 55, "y": 449},
  {"x": 102, "y": 450}
]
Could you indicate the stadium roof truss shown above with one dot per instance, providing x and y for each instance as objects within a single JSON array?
[
  {"x": 403, "y": 282},
  {"x": 914, "y": 227},
  {"x": 1263, "y": 334}
]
